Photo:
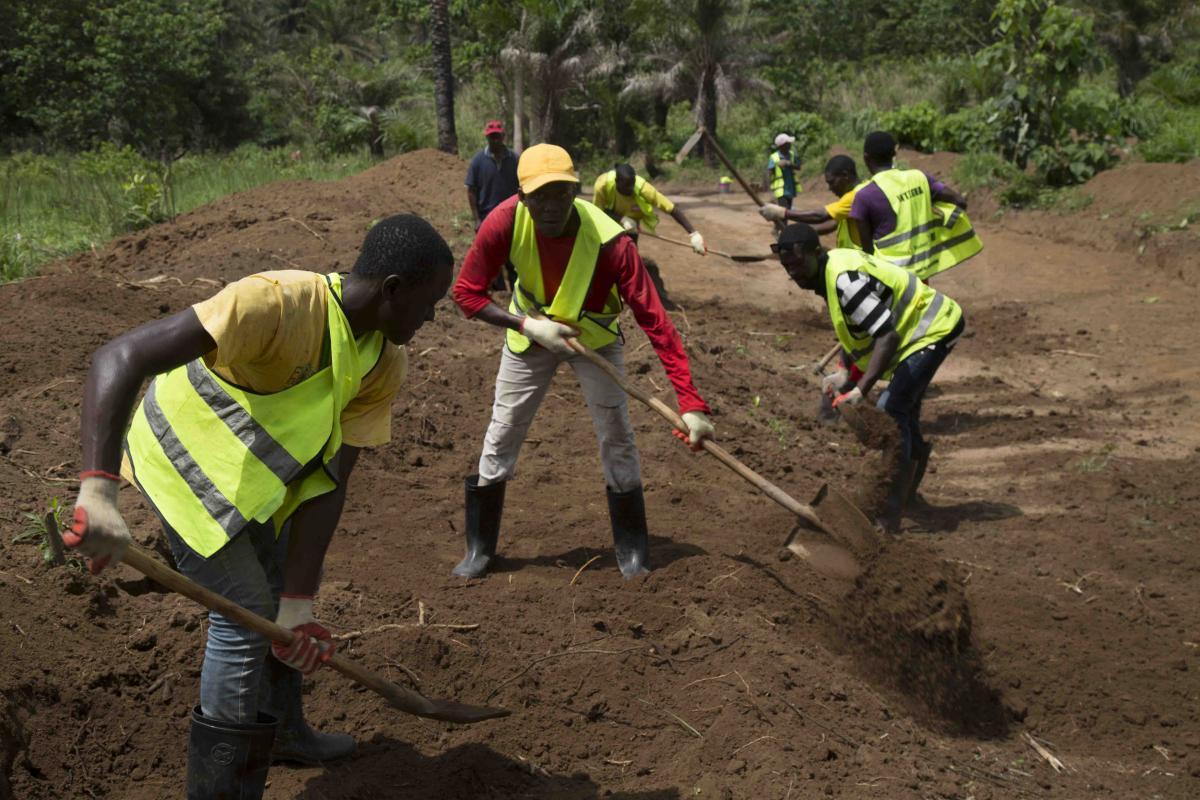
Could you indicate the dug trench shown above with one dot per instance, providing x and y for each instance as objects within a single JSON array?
[{"x": 1060, "y": 505}]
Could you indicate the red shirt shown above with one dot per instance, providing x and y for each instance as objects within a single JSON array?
[{"x": 618, "y": 263}]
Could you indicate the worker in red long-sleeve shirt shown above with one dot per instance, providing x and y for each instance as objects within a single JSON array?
[{"x": 577, "y": 268}]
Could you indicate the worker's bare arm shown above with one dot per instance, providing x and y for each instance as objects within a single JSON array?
[
  {"x": 473, "y": 199},
  {"x": 312, "y": 528},
  {"x": 682, "y": 219},
  {"x": 828, "y": 226},
  {"x": 881, "y": 356},
  {"x": 117, "y": 372},
  {"x": 810, "y": 217},
  {"x": 948, "y": 195},
  {"x": 495, "y": 315}
]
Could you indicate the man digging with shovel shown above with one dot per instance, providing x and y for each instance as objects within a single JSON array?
[
  {"x": 261, "y": 398},
  {"x": 889, "y": 324},
  {"x": 575, "y": 265}
]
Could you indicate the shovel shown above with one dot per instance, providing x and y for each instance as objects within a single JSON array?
[
  {"x": 403, "y": 699},
  {"x": 847, "y": 528},
  {"x": 738, "y": 258}
]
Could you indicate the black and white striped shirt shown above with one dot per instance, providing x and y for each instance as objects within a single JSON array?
[{"x": 866, "y": 304}]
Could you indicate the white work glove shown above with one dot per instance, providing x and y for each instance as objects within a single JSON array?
[
  {"x": 629, "y": 223},
  {"x": 99, "y": 532},
  {"x": 700, "y": 427},
  {"x": 832, "y": 384},
  {"x": 549, "y": 334},
  {"x": 773, "y": 213},
  {"x": 698, "y": 244},
  {"x": 312, "y": 645},
  {"x": 852, "y": 397}
]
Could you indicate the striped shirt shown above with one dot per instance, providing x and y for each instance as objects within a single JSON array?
[{"x": 866, "y": 304}]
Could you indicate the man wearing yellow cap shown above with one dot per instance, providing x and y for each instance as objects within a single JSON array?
[{"x": 577, "y": 269}]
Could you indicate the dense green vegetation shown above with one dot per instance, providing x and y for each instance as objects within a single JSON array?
[{"x": 118, "y": 113}]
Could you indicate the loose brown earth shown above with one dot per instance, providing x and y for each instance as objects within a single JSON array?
[{"x": 1050, "y": 587}]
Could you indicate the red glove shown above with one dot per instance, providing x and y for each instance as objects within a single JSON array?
[
  {"x": 312, "y": 645},
  {"x": 853, "y": 397}
]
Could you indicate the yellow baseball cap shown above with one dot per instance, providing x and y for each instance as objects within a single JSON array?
[{"x": 542, "y": 164}]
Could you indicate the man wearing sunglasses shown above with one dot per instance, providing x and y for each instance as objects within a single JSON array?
[
  {"x": 576, "y": 269},
  {"x": 890, "y": 325}
]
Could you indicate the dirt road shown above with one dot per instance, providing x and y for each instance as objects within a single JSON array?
[{"x": 1062, "y": 494}]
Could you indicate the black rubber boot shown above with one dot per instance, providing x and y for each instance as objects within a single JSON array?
[
  {"x": 279, "y": 696},
  {"x": 897, "y": 496},
  {"x": 484, "y": 507},
  {"x": 921, "y": 459},
  {"x": 228, "y": 760},
  {"x": 627, "y": 510}
]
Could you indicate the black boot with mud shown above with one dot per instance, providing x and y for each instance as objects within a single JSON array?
[
  {"x": 228, "y": 760},
  {"x": 484, "y": 508},
  {"x": 280, "y": 696},
  {"x": 627, "y": 510}
]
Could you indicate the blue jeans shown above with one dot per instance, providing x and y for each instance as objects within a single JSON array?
[
  {"x": 902, "y": 398},
  {"x": 248, "y": 571}
]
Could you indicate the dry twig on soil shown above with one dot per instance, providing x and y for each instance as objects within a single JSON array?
[
  {"x": 579, "y": 571},
  {"x": 1041, "y": 750}
]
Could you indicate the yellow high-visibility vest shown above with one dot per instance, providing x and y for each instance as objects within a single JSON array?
[
  {"x": 777, "y": 180},
  {"x": 843, "y": 225},
  {"x": 929, "y": 237},
  {"x": 210, "y": 456},
  {"x": 920, "y": 314},
  {"x": 649, "y": 216},
  {"x": 596, "y": 229}
]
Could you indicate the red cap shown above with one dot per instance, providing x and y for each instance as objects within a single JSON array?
[{"x": 493, "y": 126}]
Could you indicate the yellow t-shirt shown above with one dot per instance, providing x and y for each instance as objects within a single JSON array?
[
  {"x": 625, "y": 205},
  {"x": 270, "y": 334},
  {"x": 839, "y": 210}
]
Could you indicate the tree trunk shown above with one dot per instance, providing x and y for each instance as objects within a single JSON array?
[
  {"x": 709, "y": 111},
  {"x": 443, "y": 75},
  {"x": 518, "y": 105}
]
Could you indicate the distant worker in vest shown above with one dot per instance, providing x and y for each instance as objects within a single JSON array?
[
  {"x": 908, "y": 217},
  {"x": 841, "y": 176},
  {"x": 492, "y": 179},
  {"x": 632, "y": 200},
  {"x": 576, "y": 269},
  {"x": 890, "y": 325},
  {"x": 261, "y": 398},
  {"x": 781, "y": 171}
]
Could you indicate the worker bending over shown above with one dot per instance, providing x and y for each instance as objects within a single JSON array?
[{"x": 841, "y": 176}]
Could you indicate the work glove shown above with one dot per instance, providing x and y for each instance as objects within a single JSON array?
[
  {"x": 832, "y": 384},
  {"x": 629, "y": 223},
  {"x": 99, "y": 531},
  {"x": 549, "y": 334},
  {"x": 698, "y": 244},
  {"x": 773, "y": 213},
  {"x": 700, "y": 427},
  {"x": 852, "y": 397},
  {"x": 312, "y": 645}
]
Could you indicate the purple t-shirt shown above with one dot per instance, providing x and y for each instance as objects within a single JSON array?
[{"x": 871, "y": 206}]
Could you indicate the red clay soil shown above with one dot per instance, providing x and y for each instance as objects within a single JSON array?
[{"x": 1050, "y": 587}]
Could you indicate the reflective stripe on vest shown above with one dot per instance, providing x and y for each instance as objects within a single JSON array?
[
  {"x": 649, "y": 217},
  {"x": 596, "y": 229},
  {"x": 920, "y": 315},
  {"x": 843, "y": 225},
  {"x": 929, "y": 237},
  {"x": 210, "y": 456}
]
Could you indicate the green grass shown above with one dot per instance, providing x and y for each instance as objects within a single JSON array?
[{"x": 54, "y": 206}]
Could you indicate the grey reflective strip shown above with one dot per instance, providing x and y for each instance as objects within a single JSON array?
[
  {"x": 215, "y": 503},
  {"x": 933, "y": 251},
  {"x": 264, "y": 447},
  {"x": 953, "y": 218},
  {"x": 904, "y": 237},
  {"x": 930, "y": 315},
  {"x": 909, "y": 291}
]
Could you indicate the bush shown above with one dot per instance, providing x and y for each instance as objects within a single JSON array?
[
  {"x": 1093, "y": 111},
  {"x": 913, "y": 126},
  {"x": 813, "y": 134},
  {"x": 981, "y": 170},
  {"x": 1071, "y": 162},
  {"x": 1176, "y": 139},
  {"x": 965, "y": 131}
]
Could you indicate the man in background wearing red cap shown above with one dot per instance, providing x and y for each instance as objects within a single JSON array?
[
  {"x": 492, "y": 179},
  {"x": 576, "y": 269}
]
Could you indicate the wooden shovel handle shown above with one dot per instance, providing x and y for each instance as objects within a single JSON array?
[
  {"x": 681, "y": 243},
  {"x": 819, "y": 367},
  {"x": 712, "y": 142},
  {"x": 401, "y": 698},
  {"x": 721, "y": 454}
]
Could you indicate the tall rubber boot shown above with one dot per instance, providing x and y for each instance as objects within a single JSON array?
[
  {"x": 627, "y": 511},
  {"x": 484, "y": 507},
  {"x": 279, "y": 695},
  {"x": 897, "y": 496},
  {"x": 921, "y": 459},
  {"x": 228, "y": 760}
]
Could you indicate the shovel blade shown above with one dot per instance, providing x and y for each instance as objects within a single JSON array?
[
  {"x": 824, "y": 557},
  {"x": 462, "y": 713},
  {"x": 851, "y": 524}
]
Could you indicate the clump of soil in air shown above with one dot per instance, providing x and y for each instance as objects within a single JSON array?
[{"x": 909, "y": 618}]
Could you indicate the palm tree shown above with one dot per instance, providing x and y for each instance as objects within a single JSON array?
[
  {"x": 705, "y": 56},
  {"x": 443, "y": 75}
]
